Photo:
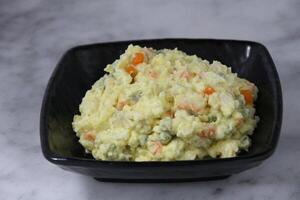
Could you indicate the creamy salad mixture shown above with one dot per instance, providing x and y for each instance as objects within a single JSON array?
[{"x": 165, "y": 105}]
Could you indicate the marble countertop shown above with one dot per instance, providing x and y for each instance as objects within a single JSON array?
[{"x": 35, "y": 33}]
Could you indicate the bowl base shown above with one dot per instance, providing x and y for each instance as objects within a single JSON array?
[{"x": 214, "y": 178}]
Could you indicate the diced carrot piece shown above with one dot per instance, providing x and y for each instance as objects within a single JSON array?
[
  {"x": 247, "y": 96},
  {"x": 207, "y": 132},
  {"x": 121, "y": 104},
  {"x": 89, "y": 136},
  {"x": 157, "y": 147},
  {"x": 137, "y": 58},
  {"x": 194, "y": 108},
  {"x": 208, "y": 90},
  {"x": 170, "y": 113},
  {"x": 131, "y": 70},
  {"x": 187, "y": 75},
  {"x": 183, "y": 106},
  {"x": 190, "y": 107},
  {"x": 201, "y": 74},
  {"x": 239, "y": 121},
  {"x": 153, "y": 74}
]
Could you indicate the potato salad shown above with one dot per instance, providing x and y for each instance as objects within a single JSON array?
[{"x": 165, "y": 105}]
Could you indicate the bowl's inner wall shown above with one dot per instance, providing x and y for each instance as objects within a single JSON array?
[{"x": 82, "y": 66}]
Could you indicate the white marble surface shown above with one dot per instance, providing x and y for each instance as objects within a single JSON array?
[{"x": 35, "y": 33}]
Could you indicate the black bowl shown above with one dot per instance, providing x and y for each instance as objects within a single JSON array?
[{"x": 81, "y": 66}]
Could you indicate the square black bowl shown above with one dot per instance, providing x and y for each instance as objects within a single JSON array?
[{"x": 81, "y": 66}]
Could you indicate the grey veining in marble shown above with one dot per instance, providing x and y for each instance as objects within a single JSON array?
[{"x": 35, "y": 33}]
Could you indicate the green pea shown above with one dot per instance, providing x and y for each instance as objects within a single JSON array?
[
  {"x": 111, "y": 152},
  {"x": 165, "y": 137},
  {"x": 212, "y": 119}
]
